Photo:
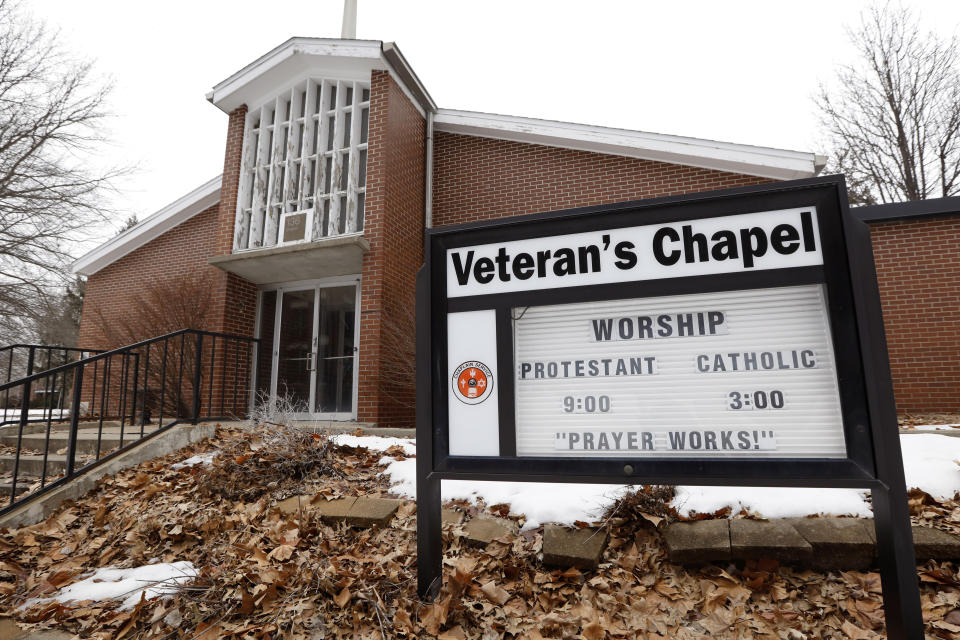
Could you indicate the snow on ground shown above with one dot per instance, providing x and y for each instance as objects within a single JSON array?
[
  {"x": 540, "y": 502},
  {"x": 773, "y": 502},
  {"x": 113, "y": 584},
  {"x": 375, "y": 443},
  {"x": 928, "y": 461},
  {"x": 934, "y": 427},
  {"x": 14, "y": 412},
  {"x": 201, "y": 459}
]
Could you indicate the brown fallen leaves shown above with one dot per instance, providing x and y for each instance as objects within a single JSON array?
[{"x": 264, "y": 574}]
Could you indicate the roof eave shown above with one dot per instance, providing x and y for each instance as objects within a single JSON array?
[
  {"x": 777, "y": 164},
  {"x": 243, "y": 87},
  {"x": 151, "y": 227}
]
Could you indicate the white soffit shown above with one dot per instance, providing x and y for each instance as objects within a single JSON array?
[
  {"x": 151, "y": 227},
  {"x": 329, "y": 58},
  {"x": 778, "y": 164}
]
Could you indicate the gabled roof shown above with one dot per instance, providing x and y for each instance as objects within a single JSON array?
[
  {"x": 779, "y": 164},
  {"x": 178, "y": 211},
  {"x": 300, "y": 57}
]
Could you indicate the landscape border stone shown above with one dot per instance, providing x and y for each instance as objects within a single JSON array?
[
  {"x": 699, "y": 542},
  {"x": 580, "y": 548},
  {"x": 755, "y": 539}
]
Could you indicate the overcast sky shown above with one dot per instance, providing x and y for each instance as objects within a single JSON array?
[{"x": 741, "y": 72}]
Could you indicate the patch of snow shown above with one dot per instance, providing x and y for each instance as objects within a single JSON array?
[
  {"x": 539, "y": 502},
  {"x": 201, "y": 459},
  {"x": 773, "y": 502},
  {"x": 154, "y": 580},
  {"x": 934, "y": 427},
  {"x": 36, "y": 413},
  {"x": 375, "y": 443},
  {"x": 928, "y": 461}
]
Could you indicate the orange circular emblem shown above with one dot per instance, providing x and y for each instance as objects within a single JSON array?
[{"x": 472, "y": 381}]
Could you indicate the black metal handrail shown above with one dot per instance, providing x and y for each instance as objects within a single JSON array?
[
  {"x": 20, "y": 360},
  {"x": 118, "y": 398}
]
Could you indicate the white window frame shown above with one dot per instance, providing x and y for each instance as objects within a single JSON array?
[{"x": 318, "y": 162}]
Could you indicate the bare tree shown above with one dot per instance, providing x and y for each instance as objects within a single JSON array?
[
  {"x": 893, "y": 116},
  {"x": 159, "y": 306},
  {"x": 51, "y": 108},
  {"x": 59, "y": 320}
]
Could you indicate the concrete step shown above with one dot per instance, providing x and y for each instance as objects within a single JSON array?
[
  {"x": 32, "y": 465},
  {"x": 41, "y": 427},
  {"x": 86, "y": 440},
  {"x": 23, "y": 485}
]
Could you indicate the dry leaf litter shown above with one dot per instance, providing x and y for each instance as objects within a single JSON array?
[{"x": 263, "y": 574}]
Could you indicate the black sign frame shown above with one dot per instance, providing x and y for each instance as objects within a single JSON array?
[{"x": 869, "y": 415}]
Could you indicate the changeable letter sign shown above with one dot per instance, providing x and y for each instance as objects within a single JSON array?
[{"x": 724, "y": 338}]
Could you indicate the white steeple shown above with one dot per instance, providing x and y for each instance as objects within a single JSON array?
[{"x": 349, "y": 29}]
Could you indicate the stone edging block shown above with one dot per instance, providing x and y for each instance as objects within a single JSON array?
[
  {"x": 580, "y": 548},
  {"x": 700, "y": 542},
  {"x": 817, "y": 543}
]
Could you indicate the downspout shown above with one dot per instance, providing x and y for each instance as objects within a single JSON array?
[{"x": 428, "y": 178}]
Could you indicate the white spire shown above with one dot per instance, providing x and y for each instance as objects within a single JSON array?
[{"x": 349, "y": 29}]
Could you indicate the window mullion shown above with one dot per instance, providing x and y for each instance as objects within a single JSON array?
[
  {"x": 335, "y": 213},
  {"x": 241, "y": 237},
  {"x": 294, "y": 130},
  {"x": 309, "y": 126},
  {"x": 320, "y": 224},
  {"x": 272, "y": 223},
  {"x": 258, "y": 207},
  {"x": 351, "y": 225}
]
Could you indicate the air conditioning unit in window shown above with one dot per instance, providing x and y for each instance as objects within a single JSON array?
[{"x": 296, "y": 227}]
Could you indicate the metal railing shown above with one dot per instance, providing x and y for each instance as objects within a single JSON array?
[
  {"x": 22, "y": 360},
  {"x": 116, "y": 399}
]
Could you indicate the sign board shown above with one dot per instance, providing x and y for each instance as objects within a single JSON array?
[{"x": 727, "y": 338}]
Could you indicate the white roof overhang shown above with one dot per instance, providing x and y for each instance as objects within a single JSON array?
[
  {"x": 778, "y": 164},
  {"x": 299, "y": 58},
  {"x": 181, "y": 210}
]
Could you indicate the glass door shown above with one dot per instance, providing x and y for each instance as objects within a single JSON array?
[
  {"x": 295, "y": 348},
  {"x": 336, "y": 351},
  {"x": 308, "y": 345}
]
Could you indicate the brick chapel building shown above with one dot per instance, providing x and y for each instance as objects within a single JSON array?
[{"x": 337, "y": 159}]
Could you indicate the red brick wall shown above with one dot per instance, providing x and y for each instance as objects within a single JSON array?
[
  {"x": 918, "y": 269},
  {"x": 236, "y": 299},
  {"x": 393, "y": 224},
  {"x": 230, "y": 183},
  {"x": 482, "y": 178},
  {"x": 180, "y": 252}
]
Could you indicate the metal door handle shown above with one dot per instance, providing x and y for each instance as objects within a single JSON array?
[{"x": 311, "y": 363}]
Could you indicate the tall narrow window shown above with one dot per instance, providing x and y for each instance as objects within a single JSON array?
[{"x": 306, "y": 150}]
